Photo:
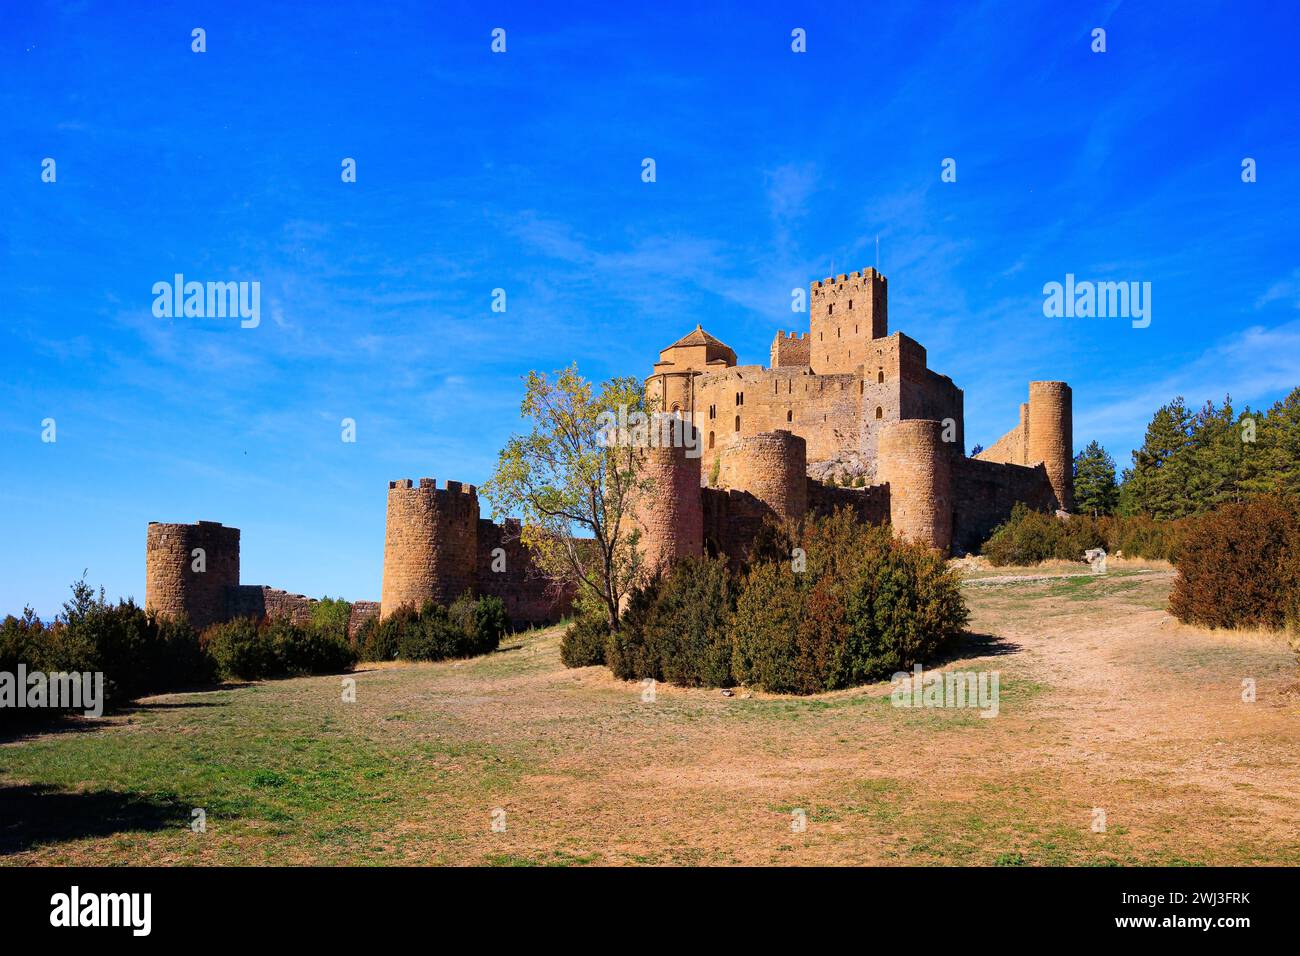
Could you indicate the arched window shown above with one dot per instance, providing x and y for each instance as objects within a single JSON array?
[
  {"x": 710, "y": 439},
  {"x": 880, "y": 376},
  {"x": 880, "y": 412},
  {"x": 789, "y": 415},
  {"x": 737, "y": 423}
]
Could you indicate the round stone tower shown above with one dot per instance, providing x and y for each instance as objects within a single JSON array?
[
  {"x": 670, "y": 513},
  {"x": 917, "y": 464},
  {"x": 190, "y": 570},
  {"x": 430, "y": 544},
  {"x": 773, "y": 467},
  {"x": 1051, "y": 437}
]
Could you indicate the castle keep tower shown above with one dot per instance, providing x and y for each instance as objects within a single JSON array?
[
  {"x": 917, "y": 464},
  {"x": 1051, "y": 437},
  {"x": 191, "y": 570},
  {"x": 430, "y": 543},
  {"x": 845, "y": 314}
]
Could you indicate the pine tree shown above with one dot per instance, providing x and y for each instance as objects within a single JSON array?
[
  {"x": 1214, "y": 457},
  {"x": 1156, "y": 484},
  {"x": 1095, "y": 490}
]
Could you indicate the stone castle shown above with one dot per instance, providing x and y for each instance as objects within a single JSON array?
[{"x": 846, "y": 399}]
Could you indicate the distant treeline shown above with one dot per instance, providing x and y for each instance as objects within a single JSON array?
[{"x": 1192, "y": 463}]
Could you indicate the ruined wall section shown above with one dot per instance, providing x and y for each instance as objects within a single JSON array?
[
  {"x": 870, "y": 504},
  {"x": 793, "y": 349},
  {"x": 259, "y": 601},
  {"x": 173, "y": 588},
  {"x": 1011, "y": 448},
  {"x": 430, "y": 543},
  {"x": 362, "y": 611}
]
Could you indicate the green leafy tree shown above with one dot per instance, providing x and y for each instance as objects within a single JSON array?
[
  {"x": 330, "y": 616},
  {"x": 565, "y": 478},
  {"x": 1095, "y": 489}
]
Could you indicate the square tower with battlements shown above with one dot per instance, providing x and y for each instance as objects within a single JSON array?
[{"x": 846, "y": 312}]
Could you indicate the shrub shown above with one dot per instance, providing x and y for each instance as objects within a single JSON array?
[
  {"x": 434, "y": 633},
  {"x": 1239, "y": 566},
  {"x": 866, "y": 606},
  {"x": 330, "y": 616},
  {"x": 629, "y": 652},
  {"x": 137, "y": 653},
  {"x": 490, "y": 624},
  {"x": 377, "y": 640},
  {"x": 689, "y": 631},
  {"x": 248, "y": 649},
  {"x": 236, "y": 651},
  {"x": 1029, "y": 537},
  {"x": 765, "y": 628},
  {"x": 431, "y": 636},
  {"x": 583, "y": 643},
  {"x": 1141, "y": 536},
  {"x": 905, "y": 607},
  {"x": 297, "y": 649}
]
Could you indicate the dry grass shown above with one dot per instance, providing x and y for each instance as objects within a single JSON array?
[{"x": 1106, "y": 703}]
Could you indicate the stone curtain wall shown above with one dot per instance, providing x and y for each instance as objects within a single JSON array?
[
  {"x": 986, "y": 491},
  {"x": 823, "y": 409},
  {"x": 173, "y": 588},
  {"x": 529, "y": 596}
]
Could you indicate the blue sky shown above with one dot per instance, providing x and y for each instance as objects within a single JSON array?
[{"x": 522, "y": 171}]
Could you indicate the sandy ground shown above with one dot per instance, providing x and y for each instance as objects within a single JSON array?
[{"x": 1110, "y": 713}]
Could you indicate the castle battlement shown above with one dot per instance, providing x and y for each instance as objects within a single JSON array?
[{"x": 431, "y": 485}]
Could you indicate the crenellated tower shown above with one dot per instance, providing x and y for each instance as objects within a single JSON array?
[
  {"x": 846, "y": 313},
  {"x": 430, "y": 543}
]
